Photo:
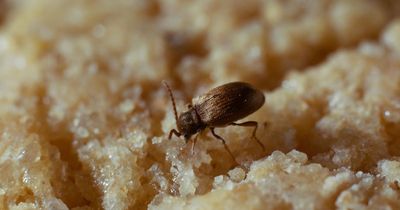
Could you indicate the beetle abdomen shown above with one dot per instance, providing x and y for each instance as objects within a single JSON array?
[{"x": 228, "y": 103}]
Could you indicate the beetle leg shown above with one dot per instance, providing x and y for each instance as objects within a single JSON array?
[
  {"x": 251, "y": 124},
  {"x": 173, "y": 131},
  {"x": 224, "y": 143},
  {"x": 194, "y": 143}
]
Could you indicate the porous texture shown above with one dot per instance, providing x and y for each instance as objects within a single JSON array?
[{"x": 84, "y": 118}]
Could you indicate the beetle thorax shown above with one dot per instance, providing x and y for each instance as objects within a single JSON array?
[{"x": 189, "y": 123}]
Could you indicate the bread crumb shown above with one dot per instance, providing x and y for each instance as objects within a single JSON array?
[{"x": 84, "y": 119}]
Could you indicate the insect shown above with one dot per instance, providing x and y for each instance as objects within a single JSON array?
[{"x": 219, "y": 107}]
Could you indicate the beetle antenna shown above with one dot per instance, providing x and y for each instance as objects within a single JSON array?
[{"x": 172, "y": 99}]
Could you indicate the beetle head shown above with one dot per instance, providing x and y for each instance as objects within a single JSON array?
[{"x": 189, "y": 123}]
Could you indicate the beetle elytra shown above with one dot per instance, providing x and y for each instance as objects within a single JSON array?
[{"x": 219, "y": 107}]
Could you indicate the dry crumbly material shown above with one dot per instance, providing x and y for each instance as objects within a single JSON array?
[
  {"x": 290, "y": 182},
  {"x": 84, "y": 118}
]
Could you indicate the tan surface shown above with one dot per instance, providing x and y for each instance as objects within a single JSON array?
[{"x": 84, "y": 117}]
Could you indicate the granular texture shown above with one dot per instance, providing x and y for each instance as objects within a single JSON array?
[{"x": 84, "y": 118}]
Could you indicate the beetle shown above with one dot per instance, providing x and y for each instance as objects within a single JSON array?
[{"x": 219, "y": 107}]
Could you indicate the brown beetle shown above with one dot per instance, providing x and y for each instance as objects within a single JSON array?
[{"x": 219, "y": 107}]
